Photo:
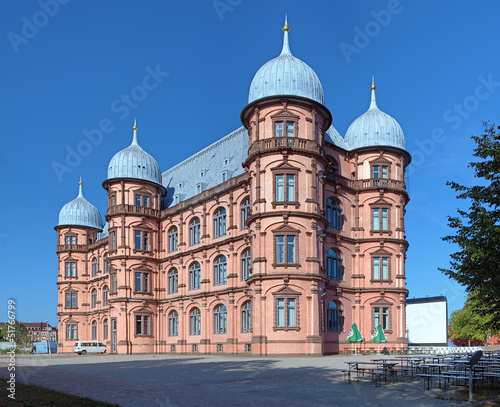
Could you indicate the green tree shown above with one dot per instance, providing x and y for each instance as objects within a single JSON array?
[
  {"x": 477, "y": 263},
  {"x": 467, "y": 323},
  {"x": 17, "y": 331}
]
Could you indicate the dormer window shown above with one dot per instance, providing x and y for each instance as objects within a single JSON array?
[
  {"x": 224, "y": 176},
  {"x": 180, "y": 185},
  {"x": 176, "y": 199},
  {"x": 202, "y": 174},
  {"x": 198, "y": 188},
  {"x": 226, "y": 162}
]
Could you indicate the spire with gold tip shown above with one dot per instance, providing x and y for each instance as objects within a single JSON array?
[
  {"x": 135, "y": 128},
  {"x": 286, "y": 45},
  {"x": 373, "y": 102}
]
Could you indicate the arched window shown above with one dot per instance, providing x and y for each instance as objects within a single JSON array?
[
  {"x": 220, "y": 270},
  {"x": 93, "y": 298},
  {"x": 94, "y": 330},
  {"x": 195, "y": 276},
  {"x": 245, "y": 264},
  {"x": 246, "y": 317},
  {"x": 195, "y": 322},
  {"x": 220, "y": 223},
  {"x": 334, "y": 317},
  {"x": 94, "y": 267},
  {"x": 173, "y": 324},
  {"x": 105, "y": 264},
  {"x": 194, "y": 232},
  {"x": 334, "y": 269},
  {"x": 172, "y": 239},
  {"x": 334, "y": 214},
  {"x": 105, "y": 292},
  {"x": 245, "y": 213},
  {"x": 173, "y": 281},
  {"x": 334, "y": 167},
  {"x": 105, "y": 329},
  {"x": 220, "y": 320}
]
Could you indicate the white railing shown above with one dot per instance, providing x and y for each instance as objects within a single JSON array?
[{"x": 442, "y": 350}]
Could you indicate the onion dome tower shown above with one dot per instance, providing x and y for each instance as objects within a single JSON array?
[
  {"x": 134, "y": 163},
  {"x": 374, "y": 128},
  {"x": 80, "y": 212}
]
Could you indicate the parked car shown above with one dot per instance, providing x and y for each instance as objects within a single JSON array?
[{"x": 84, "y": 347}]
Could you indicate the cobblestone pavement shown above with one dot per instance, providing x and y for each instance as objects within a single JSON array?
[{"x": 186, "y": 380}]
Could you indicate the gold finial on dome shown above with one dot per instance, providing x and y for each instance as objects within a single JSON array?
[
  {"x": 285, "y": 27},
  {"x": 80, "y": 182},
  {"x": 373, "y": 87},
  {"x": 134, "y": 127}
]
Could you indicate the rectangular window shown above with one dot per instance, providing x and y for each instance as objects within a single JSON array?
[
  {"x": 290, "y": 249},
  {"x": 70, "y": 239},
  {"x": 279, "y": 129},
  {"x": 70, "y": 300},
  {"x": 376, "y": 219},
  {"x": 286, "y": 312},
  {"x": 385, "y": 268},
  {"x": 142, "y": 240},
  {"x": 376, "y": 171},
  {"x": 280, "y": 249},
  {"x": 138, "y": 200},
  {"x": 376, "y": 268},
  {"x": 224, "y": 176},
  {"x": 280, "y": 312},
  {"x": 113, "y": 241},
  {"x": 142, "y": 282},
  {"x": 290, "y": 187},
  {"x": 138, "y": 282},
  {"x": 381, "y": 268},
  {"x": 71, "y": 332},
  {"x": 142, "y": 325},
  {"x": 290, "y": 129},
  {"x": 70, "y": 269},
  {"x": 381, "y": 316},
  {"x": 113, "y": 282},
  {"x": 385, "y": 219},
  {"x": 291, "y": 312},
  {"x": 280, "y": 188},
  {"x": 385, "y": 172}
]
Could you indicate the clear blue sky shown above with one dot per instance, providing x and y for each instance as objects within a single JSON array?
[{"x": 69, "y": 68}]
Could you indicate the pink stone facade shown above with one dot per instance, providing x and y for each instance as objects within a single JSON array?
[{"x": 321, "y": 246}]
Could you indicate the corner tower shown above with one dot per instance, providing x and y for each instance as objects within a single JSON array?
[
  {"x": 286, "y": 122},
  {"x": 134, "y": 198}
]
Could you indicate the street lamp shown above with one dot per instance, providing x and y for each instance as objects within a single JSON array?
[{"x": 48, "y": 343}]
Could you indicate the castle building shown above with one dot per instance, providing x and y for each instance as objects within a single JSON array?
[{"x": 274, "y": 240}]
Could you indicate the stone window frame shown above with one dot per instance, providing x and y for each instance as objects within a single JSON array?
[
  {"x": 340, "y": 310},
  {"x": 286, "y": 230},
  {"x": 220, "y": 319},
  {"x": 339, "y": 214},
  {"x": 112, "y": 199},
  {"x": 105, "y": 263},
  {"x": 381, "y": 253},
  {"x": 244, "y": 212},
  {"x": 71, "y": 323},
  {"x": 67, "y": 261},
  {"x": 71, "y": 292},
  {"x": 245, "y": 264},
  {"x": 93, "y": 297},
  {"x": 285, "y": 116},
  {"x": 381, "y": 204},
  {"x": 113, "y": 240},
  {"x": 171, "y": 247},
  {"x": 105, "y": 295},
  {"x": 381, "y": 303},
  {"x": 71, "y": 234},
  {"x": 173, "y": 281},
  {"x": 143, "y": 193},
  {"x": 220, "y": 221},
  {"x": 93, "y": 334},
  {"x": 143, "y": 230},
  {"x": 285, "y": 169},
  {"x": 195, "y": 317},
  {"x": 216, "y": 266},
  {"x": 94, "y": 267},
  {"x": 191, "y": 274},
  {"x": 381, "y": 162},
  {"x": 246, "y": 316},
  {"x": 338, "y": 256},
  {"x": 113, "y": 281},
  {"x": 286, "y": 293},
  {"x": 105, "y": 329},
  {"x": 145, "y": 277},
  {"x": 173, "y": 323},
  {"x": 194, "y": 228},
  {"x": 146, "y": 318}
]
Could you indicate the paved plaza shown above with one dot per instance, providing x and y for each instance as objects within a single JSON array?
[{"x": 186, "y": 380}]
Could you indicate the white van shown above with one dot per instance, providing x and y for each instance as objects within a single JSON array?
[{"x": 84, "y": 347}]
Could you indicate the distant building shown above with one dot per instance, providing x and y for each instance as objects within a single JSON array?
[
  {"x": 273, "y": 240},
  {"x": 37, "y": 331}
]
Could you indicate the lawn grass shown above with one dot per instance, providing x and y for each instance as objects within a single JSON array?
[{"x": 34, "y": 396}]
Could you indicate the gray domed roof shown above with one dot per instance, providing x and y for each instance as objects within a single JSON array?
[
  {"x": 286, "y": 75},
  {"x": 134, "y": 162},
  {"x": 80, "y": 212},
  {"x": 375, "y": 128}
]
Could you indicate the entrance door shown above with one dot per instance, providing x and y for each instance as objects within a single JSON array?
[{"x": 113, "y": 335}]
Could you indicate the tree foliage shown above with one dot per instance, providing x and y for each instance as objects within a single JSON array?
[
  {"x": 472, "y": 321},
  {"x": 477, "y": 263},
  {"x": 17, "y": 331}
]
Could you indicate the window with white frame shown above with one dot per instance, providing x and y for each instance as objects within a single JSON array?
[
  {"x": 141, "y": 200},
  {"x": 172, "y": 239},
  {"x": 285, "y": 188},
  {"x": 286, "y": 312},
  {"x": 334, "y": 214},
  {"x": 333, "y": 265},
  {"x": 220, "y": 271},
  {"x": 71, "y": 331},
  {"x": 245, "y": 264},
  {"x": 173, "y": 324},
  {"x": 220, "y": 223},
  {"x": 173, "y": 281},
  {"x": 246, "y": 317},
  {"x": 194, "y": 232},
  {"x": 380, "y": 174},
  {"x": 244, "y": 213},
  {"x": 220, "y": 319},
  {"x": 334, "y": 317},
  {"x": 70, "y": 268},
  {"x": 195, "y": 322},
  {"x": 70, "y": 240},
  {"x": 286, "y": 249},
  {"x": 195, "y": 276}
]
